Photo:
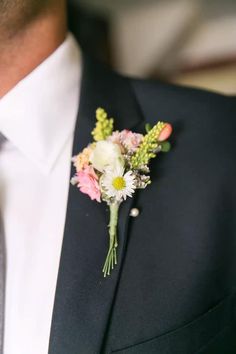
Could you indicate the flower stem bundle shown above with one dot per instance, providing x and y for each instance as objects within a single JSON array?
[{"x": 111, "y": 258}]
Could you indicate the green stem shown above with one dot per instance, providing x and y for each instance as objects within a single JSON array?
[{"x": 111, "y": 258}]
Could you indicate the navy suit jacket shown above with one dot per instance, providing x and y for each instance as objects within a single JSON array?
[{"x": 174, "y": 289}]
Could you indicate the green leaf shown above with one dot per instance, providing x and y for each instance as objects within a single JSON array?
[
  {"x": 165, "y": 146},
  {"x": 148, "y": 127}
]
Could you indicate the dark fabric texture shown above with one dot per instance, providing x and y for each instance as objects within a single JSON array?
[{"x": 174, "y": 288}]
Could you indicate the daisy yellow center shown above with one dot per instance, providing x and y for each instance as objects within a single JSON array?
[{"x": 119, "y": 183}]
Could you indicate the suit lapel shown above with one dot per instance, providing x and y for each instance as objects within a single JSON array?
[{"x": 84, "y": 299}]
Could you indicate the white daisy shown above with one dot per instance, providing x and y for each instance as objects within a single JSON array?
[{"x": 117, "y": 184}]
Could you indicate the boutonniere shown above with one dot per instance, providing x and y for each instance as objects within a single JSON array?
[{"x": 114, "y": 166}]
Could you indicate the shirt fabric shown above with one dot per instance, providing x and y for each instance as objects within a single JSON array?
[{"x": 37, "y": 118}]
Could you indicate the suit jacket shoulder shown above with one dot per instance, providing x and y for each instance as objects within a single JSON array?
[
  {"x": 206, "y": 119},
  {"x": 168, "y": 97}
]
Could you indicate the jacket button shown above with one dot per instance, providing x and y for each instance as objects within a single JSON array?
[{"x": 134, "y": 212}]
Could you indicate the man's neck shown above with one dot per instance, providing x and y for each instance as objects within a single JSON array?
[{"x": 22, "y": 53}]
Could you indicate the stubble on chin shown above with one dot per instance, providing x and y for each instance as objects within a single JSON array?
[{"x": 15, "y": 15}]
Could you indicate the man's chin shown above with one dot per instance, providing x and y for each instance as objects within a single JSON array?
[{"x": 15, "y": 15}]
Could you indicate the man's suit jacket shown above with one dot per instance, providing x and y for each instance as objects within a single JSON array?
[{"x": 174, "y": 289}]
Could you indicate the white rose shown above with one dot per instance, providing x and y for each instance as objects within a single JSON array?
[{"x": 106, "y": 155}]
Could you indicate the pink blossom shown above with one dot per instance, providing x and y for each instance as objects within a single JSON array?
[
  {"x": 115, "y": 138},
  {"x": 126, "y": 139},
  {"x": 88, "y": 183},
  {"x": 131, "y": 140}
]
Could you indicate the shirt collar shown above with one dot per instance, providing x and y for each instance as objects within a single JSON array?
[{"x": 38, "y": 115}]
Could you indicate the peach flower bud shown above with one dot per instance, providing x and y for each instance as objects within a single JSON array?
[{"x": 165, "y": 133}]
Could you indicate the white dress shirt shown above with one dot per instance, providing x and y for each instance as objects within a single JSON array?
[{"x": 37, "y": 117}]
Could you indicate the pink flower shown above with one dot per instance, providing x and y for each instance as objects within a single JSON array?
[
  {"x": 131, "y": 140},
  {"x": 115, "y": 138},
  {"x": 126, "y": 139},
  {"x": 88, "y": 183}
]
